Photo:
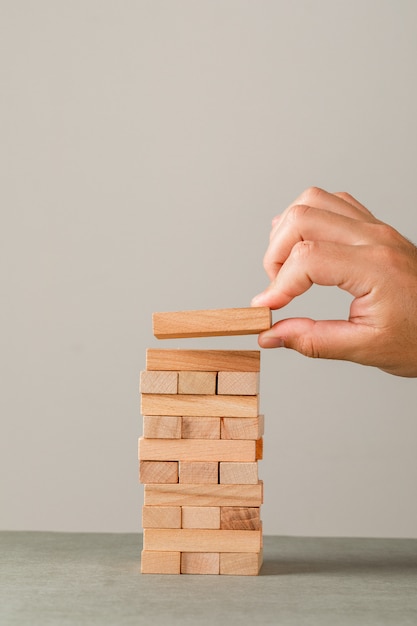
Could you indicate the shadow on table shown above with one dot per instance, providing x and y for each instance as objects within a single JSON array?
[{"x": 389, "y": 565}]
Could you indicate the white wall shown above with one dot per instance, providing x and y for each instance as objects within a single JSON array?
[{"x": 145, "y": 147}]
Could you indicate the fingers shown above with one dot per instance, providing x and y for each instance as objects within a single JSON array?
[
  {"x": 340, "y": 202},
  {"x": 327, "y": 339},
  {"x": 306, "y": 223},
  {"x": 320, "y": 262}
]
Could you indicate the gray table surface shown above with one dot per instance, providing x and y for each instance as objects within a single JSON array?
[{"x": 60, "y": 578}]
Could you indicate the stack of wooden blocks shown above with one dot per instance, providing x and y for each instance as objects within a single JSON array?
[{"x": 202, "y": 439}]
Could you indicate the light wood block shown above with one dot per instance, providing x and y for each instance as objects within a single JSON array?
[
  {"x": 240, "y": 518},
  {"x": 160, "y": 562},
  {"x": 200, "y": 427},
  {"x": 238, "y": 473},
  {"x": 238, "y": 383},
  {"x": 211, "y": 322},
  {"x": 198, "y": 383},
  {"x": 199, "y": 406},
  {"x": 241, "y": 564},
  {"x": 203, "y": 495},
  {"x": 162, "y": 426},
  {"x": 200, "y": 563},
  {"x": 242, "y": 427},
  {"x": 203, "y": 360},
  {"x": 158, "y": 471},
  {"x": 201, "y": 517},
  {"x": 201, "y": 540},
  {"x": 196, "y": 450},
  {"x": 162, "y": 517},
  {"x": 158, "y": 382},
  {"x": 199, "y": 472}
]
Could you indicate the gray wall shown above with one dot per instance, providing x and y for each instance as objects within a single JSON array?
[{"x": 145, "y": 147}]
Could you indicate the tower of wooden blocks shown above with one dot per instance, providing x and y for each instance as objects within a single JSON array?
[{"x": 202, "y": 440}]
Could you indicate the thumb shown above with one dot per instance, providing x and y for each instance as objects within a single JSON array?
[{"x": 326, "y": 339}]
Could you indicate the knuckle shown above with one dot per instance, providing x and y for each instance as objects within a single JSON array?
[
  {"x": 303, "y": 249},
  {"x": 308, "y": 347},
  {"x": 312, "y": 194}
]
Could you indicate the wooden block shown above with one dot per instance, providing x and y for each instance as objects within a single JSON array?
[
  {"x": 158, "y": 471},
  {"x": 204, "y": 495},
  {"x": 259, "y": 449},
  {"x": 211, "y": 322},
  {"x": 196, "y": 450},
  {"x": 162, "y": 426},
  {"x": 200, "y": 563},
  {"x": 160, "y": 562},
  {"x": 197, "y": 383},
  {"x": 238, "y": 473},
  {"x": 238, "y": 383},
  {"x": 240, "y": 518},
  {"x": 241, "y": 564},
  {"x": 201, "y": 540},
  {"x": 199, "y": 406},
  {"x": 203, "y": 360},
  {"x": 159, "y": 382},
  {"x": 200, "y": 427},
  {"x": 242, "y": 427},
  {"x": 162, "y": 517},
  {"x": 201, "y": 517},
  {"x": 199, "y": 472}
]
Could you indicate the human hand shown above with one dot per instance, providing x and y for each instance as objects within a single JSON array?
[{"x": 332, "y": 239}]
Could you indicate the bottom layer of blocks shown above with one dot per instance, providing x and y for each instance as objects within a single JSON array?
[{"x": 228, "y": 563}]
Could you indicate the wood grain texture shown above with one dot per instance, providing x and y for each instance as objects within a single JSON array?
[
  {"x": 238, "y": 473},
  {"x": 238, "y": 383},
  {"x": 158, "y": 471},
  {"x": 241, "y": 564},
  {"x": 200, "y": 563},
  {"x": 240, "y": 518},
  {"x": 200, "y": 517},
  {"x": 199, "y": 406},
  {"x": 198, "y": 472},
  {"x": 197, "y": 383},
  {"x": 162, "y": 517},
  {"x": 211, "y": 322},
  {"x": 204, "y": 495},
  {"x": 203, "y": 360},
  {"x": 168, "y": 562},
  {"x": 196, "y": 450},
  {"x": 162, "y": 426},
  {"x": 158, "y": 382},
  {"x": 242, "y": 427},
  {"x": 200, "y": 427},
  {"x": 201, "y": 540}
]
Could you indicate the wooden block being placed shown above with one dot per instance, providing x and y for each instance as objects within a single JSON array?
[
  {"x": 201, "y": 517},
  {"x": 162, "y": 517},
  {"x": 242, "y": 427},
  {"x": 162, "y": 427},
  {"x": 238, "y": 383},
  {"x": 204, "y": 495},
  {"x": 238, "y": 473},
  {"x": 197, "y": 383},
  {"x": 160, "y": 562},
  {"x": 200, "y": 427},
  {"x": 200, "y": 563},
  {"x": 241, "y": 564},
  {"x": 199, "y": 406},
  {"x": 158, "y": 471},
  {"x": 196, "y": 449},
  {"x": 201, "y": 540},
  {"x": 240, "y": 518},
  {"x": 199, "y": 472},
  {"x": 159, "y": 382},
  {"x": 211, "y": 322},
  {"x": 203, "y": 360}
]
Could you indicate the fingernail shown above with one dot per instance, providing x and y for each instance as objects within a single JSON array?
[
  {"x": 268, "y": 340},
  {"x": 258, "y": 300}
]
